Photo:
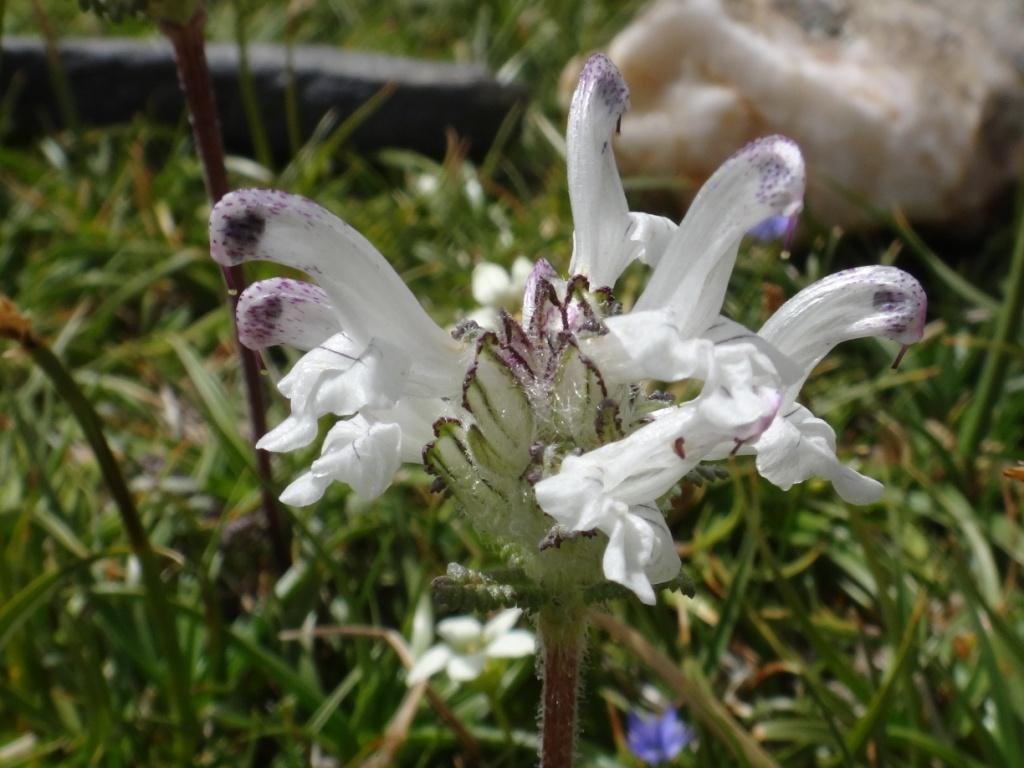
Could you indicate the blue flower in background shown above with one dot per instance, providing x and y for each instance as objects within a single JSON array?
[
  {"x": 658, "y": 738},
  {"x": 773, "y": 228}
]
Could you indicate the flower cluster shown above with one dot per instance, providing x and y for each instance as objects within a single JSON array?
[{"x": 543, "y": 428}]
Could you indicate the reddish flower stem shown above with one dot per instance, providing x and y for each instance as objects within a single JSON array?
[
  {"x": 562, "y": 638},
  {"x": 195, "y": 80}
]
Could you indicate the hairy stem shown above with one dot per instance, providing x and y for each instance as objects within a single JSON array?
[
  {"x": 562, "y": 635},
  {"x": 13, "y": 326},
  {"x": 194, "y": 74}
]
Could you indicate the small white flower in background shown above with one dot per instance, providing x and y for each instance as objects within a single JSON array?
[
  {"x": 496, "y": 288},
  {"x": 542, "y": 428},
  {"x": 467, "y": 645}
]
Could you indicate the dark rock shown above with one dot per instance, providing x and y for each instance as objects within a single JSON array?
[{"x": 111, "y": 80}]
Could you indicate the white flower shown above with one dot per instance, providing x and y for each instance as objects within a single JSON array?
[
  {"x": 496, "y": 288},
  {"x": 540, "y": 428},
  {"x": 374, "y": 355},
  {"x": 866, "y": 301},
  {"x": 467, "y": 646}
]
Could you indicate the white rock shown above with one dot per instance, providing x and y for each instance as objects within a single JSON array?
[{"x": 902, "y": 103}]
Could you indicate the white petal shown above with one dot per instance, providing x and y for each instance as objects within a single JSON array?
[
  {"x": 512, "y": 645},
  {"x": 296, "y": 431},
  {"x": 521, "y": 270},
  {"x": 649, "y": 236},
  {"x": 491, "y": 284},
  {"x": 634, "y": 470},
  {"x": 742, "y": 393},
  {"x": 575, "y": 496},
  {"x": 501, "y": 623},
  {"x": 743, "y": 413},
  {"x": 629, "y": 545},
  {"x": 370, "y": 297},
  {"x": 340, "y": 376},
  {"x": 375, "y": 378},
  {"x": 599, "y": 211},
  {"x": 429, "y": 664},
  {"x": 306, "y": 489},
  {"x": 361, "y": 454},
  {"x": 415, "y": 416},
  {"x": 647, "y": 345},
  {"x": 459, "y": 631},
  {"x": 333, "y": 355},
  {"x": 465, "y": 668},
  {"x": 284, "y": 311},
  {"x": 866, "y": 301},
  {"x": 763, "y": 179},
  {"x": 727, "y": 334},
  {"x": 798, "y": 446},
  {"x": 663, "y": 563}
]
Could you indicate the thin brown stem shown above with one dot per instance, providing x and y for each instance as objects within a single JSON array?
[
  {"x": 562, "y": 638},
  {"x": 194, "y": 76}
]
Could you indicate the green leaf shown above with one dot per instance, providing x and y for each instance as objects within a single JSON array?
[
  {"x": 879, "y": 703},
  {"x": 35, "y": 596},
  {"x": 217, "y": 404}
]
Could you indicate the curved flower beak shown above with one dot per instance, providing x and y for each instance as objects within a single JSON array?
[
  {"x": 764, "y": 179},
  {"x": 864, "y": 301},
  {"x": 607, "y": 236}
]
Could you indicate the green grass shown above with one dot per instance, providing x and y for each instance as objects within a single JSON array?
[{"x": 888, "y": 635}]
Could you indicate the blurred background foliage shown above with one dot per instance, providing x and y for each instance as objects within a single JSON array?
[{"x": 837, "y": 636}]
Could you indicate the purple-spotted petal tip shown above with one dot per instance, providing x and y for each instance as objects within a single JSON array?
[
  {"x": 238, "y": 222},
  {"x": 780, "y": 172},
  {"x": 285, "y": 311},
  {"x": 601, "y": 75}
]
